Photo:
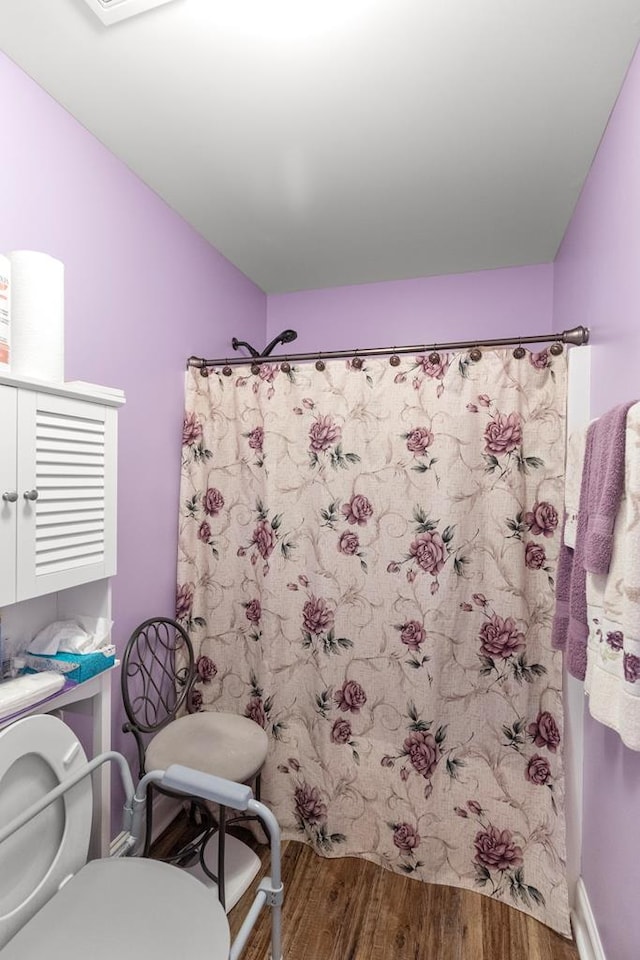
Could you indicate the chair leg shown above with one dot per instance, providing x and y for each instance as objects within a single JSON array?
[
  {"x": 221, "y": 845},
  {"x": 195, "y": 813},
  {"x": 257, "y": 794},
  {"x": 148, "y": 822}
]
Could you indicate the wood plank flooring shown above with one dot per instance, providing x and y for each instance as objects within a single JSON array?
[{"x": 350, "y": 909}]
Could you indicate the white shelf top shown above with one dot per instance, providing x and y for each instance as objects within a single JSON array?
[{"x": 78, "y": 389}]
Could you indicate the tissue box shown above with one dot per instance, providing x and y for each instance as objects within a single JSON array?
[{"x": 76, "y": 666}]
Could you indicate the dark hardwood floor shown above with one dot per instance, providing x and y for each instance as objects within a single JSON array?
[{"x": 350, "y": 909}]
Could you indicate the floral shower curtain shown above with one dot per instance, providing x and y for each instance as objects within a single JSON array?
[{"x": 366, "y": 568}]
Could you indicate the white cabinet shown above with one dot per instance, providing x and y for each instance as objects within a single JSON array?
[
  {"x": 58, "y": 490},
  {"x": 8, "y": 490}
]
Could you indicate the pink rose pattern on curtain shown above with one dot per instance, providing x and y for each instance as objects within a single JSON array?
[{"x": 366, "y": 568}]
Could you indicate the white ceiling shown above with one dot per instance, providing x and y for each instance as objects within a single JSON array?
[{"x": 326, "y": 142}]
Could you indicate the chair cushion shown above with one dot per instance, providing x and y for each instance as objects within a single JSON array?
[{"x": 224, "y": 744}]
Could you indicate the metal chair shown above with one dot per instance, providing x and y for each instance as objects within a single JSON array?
[{"x": 157, "y": 679}]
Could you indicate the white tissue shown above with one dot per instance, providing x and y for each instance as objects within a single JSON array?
[
  {"x": 100, "y": 630},
  {"x": 62, "y": 633},
  {"x": 81, "y": 635}
]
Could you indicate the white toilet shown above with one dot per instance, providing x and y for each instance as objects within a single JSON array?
[
  {"x": 34, "y": 758},
  {"x": 53, "y": 903}
]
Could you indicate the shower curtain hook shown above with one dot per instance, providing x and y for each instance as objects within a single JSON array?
[
  {"x": 519, "y": 352},
  {"x": 434, "y": 356},
  {"x": 226, "y": 370},
  {"x": 556, "y": 348},
  {"x": 394, "y": 359},
  {"x": 285, "y": 366},
  {"x": 255, "y": 368},
  {"x": 356, "y": 363},
  {"x": 320, "y": 365},
  {"x": 475, "y": 354},
  {"x": 204, "y": 370}
]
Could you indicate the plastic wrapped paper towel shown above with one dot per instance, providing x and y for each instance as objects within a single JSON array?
[
  {"x": 37, "y": 316},
  {"x": 5, "y": 313}
]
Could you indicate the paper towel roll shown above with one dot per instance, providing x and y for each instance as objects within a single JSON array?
[
  {"x": 5, "y": 313},
  {"x": 37, "y": 315}
]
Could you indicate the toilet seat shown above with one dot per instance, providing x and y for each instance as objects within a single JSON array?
[
  {"x": 36, "y": 754},
  {"x": 126, "y": 909}
]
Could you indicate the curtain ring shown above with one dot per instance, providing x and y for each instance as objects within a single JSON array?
[
  {"x": 394, "y": 359},
  {"x": 320, "y": 364},
  {"x": 204, "y": 370},
  {"x": 475, "y": 354},
  {"x": 434, "y": 356},
  {"x": 356, "y": 363},
  {"x": 226, "y": 370},
  {"x": 285, "y": 366},
  {"x": 556, "y": 348},
  {"x": 519, "y": 352},
  {"x": 255, "y": 368}
]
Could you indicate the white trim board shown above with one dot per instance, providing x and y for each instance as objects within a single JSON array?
[
  {"x": 578, "y": 415},
  {"x": 584, "y": 926}
]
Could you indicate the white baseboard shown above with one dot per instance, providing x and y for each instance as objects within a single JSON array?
[
  {"x": 585, "y": 930},
  {"x": 165, "y": 810}
]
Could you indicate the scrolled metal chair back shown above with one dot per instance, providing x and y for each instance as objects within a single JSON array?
[{"x": 158, "y": 673}]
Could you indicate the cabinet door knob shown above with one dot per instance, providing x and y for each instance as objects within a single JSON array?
[
  {"x": 10, "y": 496},
  {"x": 31, "y": 494}
]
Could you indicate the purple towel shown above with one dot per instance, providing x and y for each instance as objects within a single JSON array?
[
  {"x": 570, "y": 628},
  {"x": 606, "y": 484},
  {"x": 601, "y": 490},
  {"x": 560, "y": 626}
]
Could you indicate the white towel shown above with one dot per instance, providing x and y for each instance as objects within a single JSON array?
[{"x": 613, "y": 600}]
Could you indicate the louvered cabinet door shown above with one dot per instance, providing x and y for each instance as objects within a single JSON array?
[
  {"x": 8, "y": 494},
  {"x": 66, "y": 493}
]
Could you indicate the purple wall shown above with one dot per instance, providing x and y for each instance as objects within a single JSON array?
[
  {"x": 491, "y": 303},
  {"x": 143, "y": 292},
  {"x": 597, "y": 282}
]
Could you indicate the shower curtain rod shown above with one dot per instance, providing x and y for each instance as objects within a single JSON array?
[{"x": 578, "y": 336}]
